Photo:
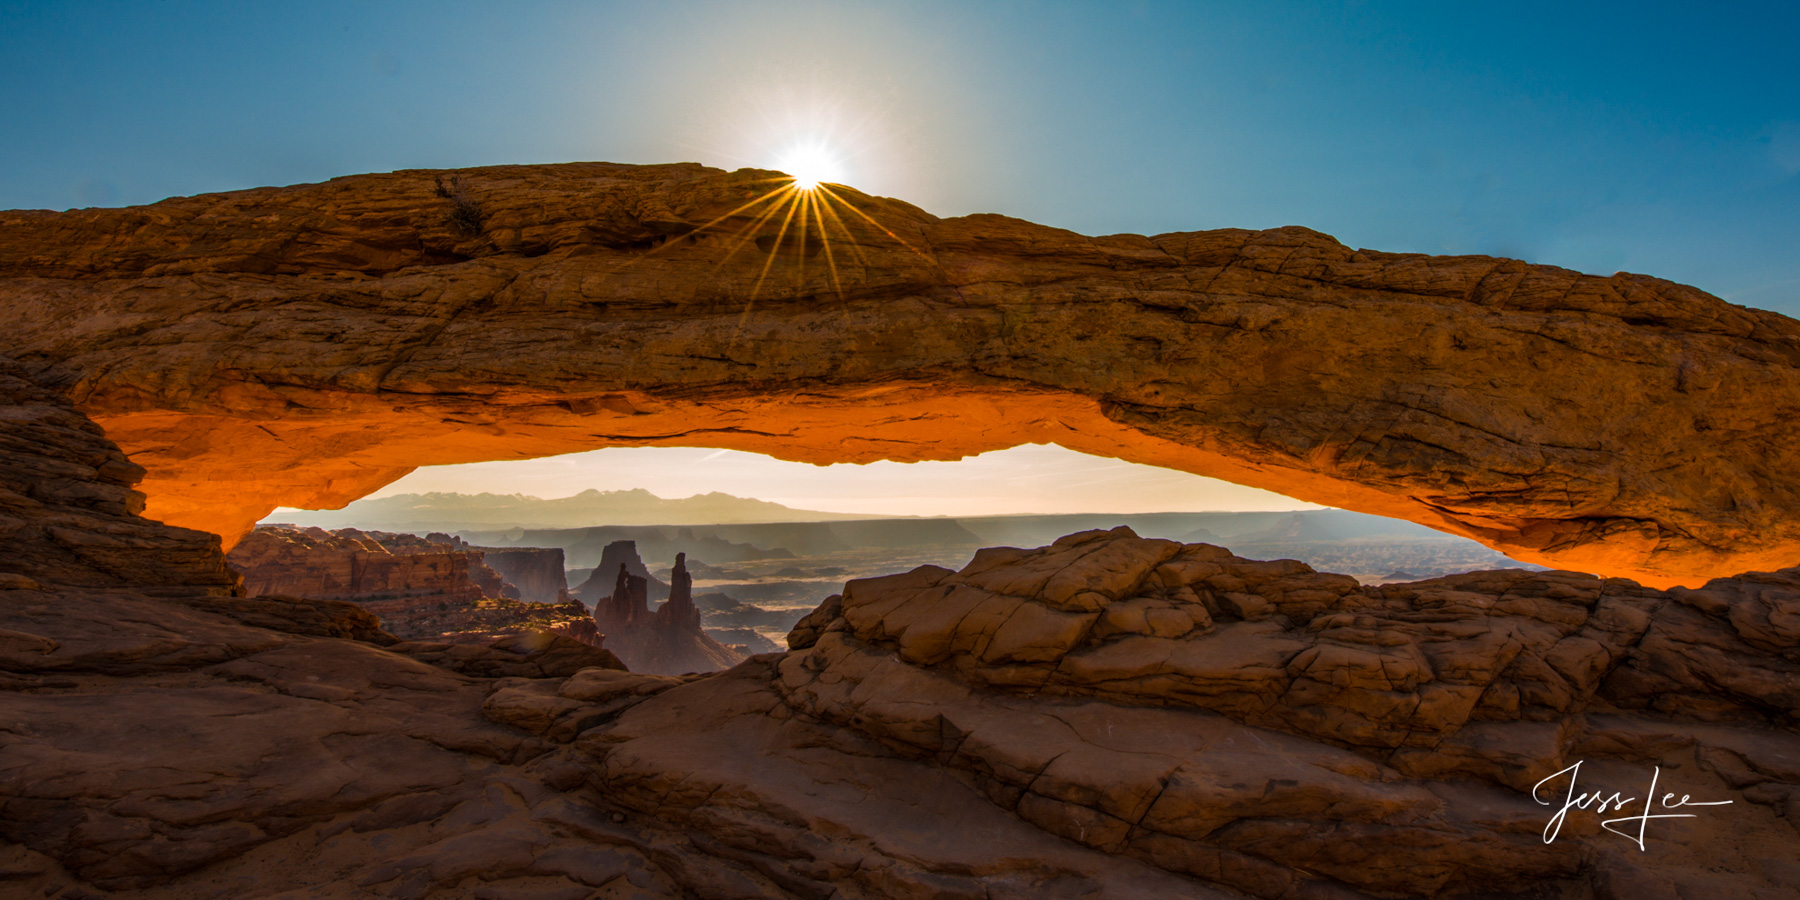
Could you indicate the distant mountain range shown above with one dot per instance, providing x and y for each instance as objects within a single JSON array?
[
  {"x": 449, "y": 512},
  {"x": 608, "y": 511},
  {"x": 722, "y": 530}
]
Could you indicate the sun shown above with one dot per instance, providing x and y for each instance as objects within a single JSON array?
[
  {"x": 812, "y": 163},
  {"x": 808, "y": 213}
]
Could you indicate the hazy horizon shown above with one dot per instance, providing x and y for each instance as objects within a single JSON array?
[{"x": 1034, "y": 479}]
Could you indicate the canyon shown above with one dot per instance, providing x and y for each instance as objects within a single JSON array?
[
  {"x": 419, "y": 588},
  {"x": 1101, "y": 716},
  {"x": 302, "y": 346},
  {"x": 440, "y": 588},
  {"x": 536, "y": 573}
]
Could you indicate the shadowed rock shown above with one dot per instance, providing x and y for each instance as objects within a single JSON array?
[
  {"x": 1106, "y": 717},
  {"x": 603, "y": 582},
  {"x": 537, "y": 571},
  {"x": 668, "y": 641},
  {"x": 1255, "y": 724}
]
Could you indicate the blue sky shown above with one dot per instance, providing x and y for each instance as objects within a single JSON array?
[{"x": 1645, "y": 137}]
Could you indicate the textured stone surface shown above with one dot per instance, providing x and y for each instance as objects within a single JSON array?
[
  {"x": 350, "y": 563},
  {"x": 303, "y": 345},
  {"x": 1153, "y": 622},
  {"x": 1106, "y": 717},
  {"x": 527, "y": 654},
  {"x": 176, "y": 742},
  {"x": 537, "y": 572},
  {"x": 1384, "y": 738},
  {"x": 68, "y": 510},
  {"x": 422, "y": 590}
]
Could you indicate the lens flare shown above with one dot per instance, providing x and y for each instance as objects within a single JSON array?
[
  {"x": 812, "y": 163},
  {"x": 810, "y": 212}
]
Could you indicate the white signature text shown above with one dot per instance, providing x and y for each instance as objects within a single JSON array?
[{"x": 1601, "y": 802}]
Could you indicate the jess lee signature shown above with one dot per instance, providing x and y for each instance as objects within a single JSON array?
[{"x": 1601, "y": 802}]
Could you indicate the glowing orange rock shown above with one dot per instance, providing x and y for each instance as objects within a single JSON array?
[{"x": 303, "y": 346}]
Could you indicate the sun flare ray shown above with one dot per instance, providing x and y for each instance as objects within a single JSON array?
[
  {"x": 805, "y": 196},
  {"x": 775, "y": 251},
  {"x": 818, "y": 211},
  {"x": 866, "y": 217}
]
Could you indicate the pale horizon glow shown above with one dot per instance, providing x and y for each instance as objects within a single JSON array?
[{"x": 1034, "y": 479}]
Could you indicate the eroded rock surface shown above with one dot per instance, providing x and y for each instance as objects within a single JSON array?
[
  {"x": 1258, "y": 725},
  {"x": 537, "y": 572},
  {"x": 603, "y": 582},
  {"x": 301, "y": 346},
  {"x": 155, "y": 723},
  {"x": 68, "y": 508},
  {"x": 422, "y": 590},
  {"x": 1106, "y": 717}
]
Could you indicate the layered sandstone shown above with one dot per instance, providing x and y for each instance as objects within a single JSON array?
[
  {"x": 304, "y": 345},
  {"x": 1106, "y": 717},
  {"x": 1255, "y": 725},
  {"x": 537, "y": 572},
  {"x": 157, "y": 722},
  {"x": 668, "y": 641},
  {"x": 422, "y": 590},
  {"x": 351, "y": 564},
  {"x": 68, "y": 508}
]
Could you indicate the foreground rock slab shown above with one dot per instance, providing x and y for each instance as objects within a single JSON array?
[{"x": 302, "y": 346}]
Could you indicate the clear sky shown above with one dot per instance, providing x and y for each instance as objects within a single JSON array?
[
  {"x": 1031, "y": 479},
  {"x": 1644, "y": 137}
]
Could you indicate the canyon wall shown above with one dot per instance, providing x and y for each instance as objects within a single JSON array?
[
  {"x": 420, "y": 589},
  {"x": 304, "y": 345},
  {"x": 537, "y": 572},
  {"x": 348, "y": 563}
]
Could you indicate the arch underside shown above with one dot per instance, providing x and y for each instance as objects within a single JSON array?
[
  {"x": 222, "y": 474},
  {"x": 304, "y": 346}
]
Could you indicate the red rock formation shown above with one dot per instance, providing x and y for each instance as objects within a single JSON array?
[
  {"x": 668, "y": 641},
  {"x": 345, "y": 564},
  {"x": 579, "y": 624},
  {"x": 1063, "y": 682},
  {"x": 679, "y": 613},
  {"x": 1105, "y": 718},
  {"x": 420, "y": 589},
  {"x": 626, "y": 607},
  {"x": 537, "y": 572},
  {"x": 68, "y": 511},
  {"x": 301, "y": 346}
]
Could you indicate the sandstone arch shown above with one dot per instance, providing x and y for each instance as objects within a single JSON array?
[{"x": 305, "y": 345}]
